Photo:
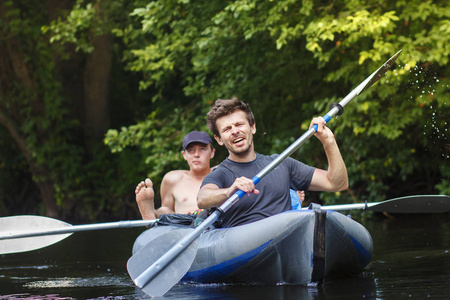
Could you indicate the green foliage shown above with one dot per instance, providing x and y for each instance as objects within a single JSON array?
[
  {"x": 157, "y": 141},
  {"x": 83, "y": 183},
  {"x": 444, "y": 185},
  {"x": 298, "y": 57},
  {"x": 45, "y": 119},
  {"x": 288, "y": 59},
  {"x": 74, "y": 26}
]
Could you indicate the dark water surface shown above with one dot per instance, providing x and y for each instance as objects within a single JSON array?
[{"x": 411, "y": 261}]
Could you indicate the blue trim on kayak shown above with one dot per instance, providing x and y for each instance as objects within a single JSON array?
[
  {"x": 364, "y": 256},
  {"x": 218, "y": 271}
]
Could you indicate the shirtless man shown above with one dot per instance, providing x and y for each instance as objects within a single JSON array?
[{"x": 179, "y": 188}]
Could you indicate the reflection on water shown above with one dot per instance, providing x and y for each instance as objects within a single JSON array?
[
  {"x": 411, "y": 260},
  {"x": 28, "y": 296},
  {"x": 67, "y": 282}
]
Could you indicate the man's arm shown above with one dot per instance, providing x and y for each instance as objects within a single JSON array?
[
  {"x": 335, "y": 178},
  {"x": 211, "y": 195},
  {"x": 167, "y": 200}
]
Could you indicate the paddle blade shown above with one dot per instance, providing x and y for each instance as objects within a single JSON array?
[
  {"x": 414, "y": 204},
  {"x": 381, "y": 71},
  {"x": 17, "y": 224},
  {"x": 170, "y": 274}
]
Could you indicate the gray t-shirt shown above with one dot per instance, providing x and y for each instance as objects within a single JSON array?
[{"x": 274, "y": 188}]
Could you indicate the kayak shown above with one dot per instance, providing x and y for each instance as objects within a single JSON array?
[{"x": 294, "y": 247}]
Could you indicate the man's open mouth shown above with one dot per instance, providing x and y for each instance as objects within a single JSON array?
[{"x": 238, "y": 140}]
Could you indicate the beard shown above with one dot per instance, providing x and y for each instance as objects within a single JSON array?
[{"x": 241, "y": 152}]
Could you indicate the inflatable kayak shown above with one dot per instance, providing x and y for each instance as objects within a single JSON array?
[{"x": 294, "y": 247}]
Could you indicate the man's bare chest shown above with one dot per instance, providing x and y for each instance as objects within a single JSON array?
[{"x": 186, "y": 190}]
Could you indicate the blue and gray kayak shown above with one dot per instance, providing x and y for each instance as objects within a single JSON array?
[{"x": 294, "y": 247}]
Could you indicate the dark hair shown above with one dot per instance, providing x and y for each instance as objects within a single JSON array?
[{"x": 226, "y": 107}]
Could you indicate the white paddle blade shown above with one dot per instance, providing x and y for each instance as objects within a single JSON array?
[
  {"x": 170, "y": 274},
  {"x": 23, "y": 224}
]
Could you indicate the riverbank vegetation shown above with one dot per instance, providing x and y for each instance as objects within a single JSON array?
[{"x": 96, "y": 95}]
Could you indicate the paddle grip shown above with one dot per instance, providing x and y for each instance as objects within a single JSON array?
[
  {"x": 327, "y": 119},
  {"x": 241, "y": 193}
]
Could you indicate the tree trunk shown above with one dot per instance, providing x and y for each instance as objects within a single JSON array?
[{"x": 96, "y": 83}]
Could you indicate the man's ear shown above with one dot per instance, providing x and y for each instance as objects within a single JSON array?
[
  {"x": 254, "y": 128},
  {"x": 184, "y": 155},
  {"x": 213, "y": 152},
  {"x": 218, "y": 140}
]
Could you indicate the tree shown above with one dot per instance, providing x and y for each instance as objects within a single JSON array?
[
  {"x": 291, "y": 59},
  {"x": 149, "y": 71},
  {"x": 55, "y": 97},
  {"x": 29, "y": 104}
]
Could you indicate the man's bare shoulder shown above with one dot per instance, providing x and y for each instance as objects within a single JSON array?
[{"x": 174, "y": 176}]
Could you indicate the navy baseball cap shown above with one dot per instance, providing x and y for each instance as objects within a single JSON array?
[{"x": 196, "y": 137}]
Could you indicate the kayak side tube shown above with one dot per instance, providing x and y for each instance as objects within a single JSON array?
[
  {"x": 295, "y": 247},
  {"x": 349, "y": 246}
]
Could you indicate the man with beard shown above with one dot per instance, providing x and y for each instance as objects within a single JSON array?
[{"x": 233, "y": 125}]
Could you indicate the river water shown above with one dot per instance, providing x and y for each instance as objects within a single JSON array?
[{"x": 411, "y": 261}]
